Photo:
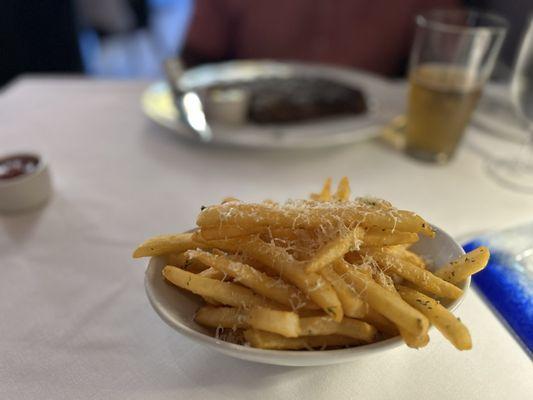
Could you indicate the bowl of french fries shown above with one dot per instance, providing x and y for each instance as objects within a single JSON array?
[{"x": 310, "y": 282}]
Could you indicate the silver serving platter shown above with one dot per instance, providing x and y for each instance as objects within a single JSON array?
[{"x": 158, "y": 105}]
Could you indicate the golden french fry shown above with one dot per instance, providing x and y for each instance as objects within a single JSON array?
[
  {"x": 383, "y": 301},
  {"x": 224, "y": 292},
  {"x": 277, "y": 259},
  {"x": 229, "y": 199},
  {"x": 179, "y": 260},
  {"x": 352, "y": 304},
  {"x": 196, "y": 267},
  {"x": 466, "y": 265},
  {"x": 450, "y": 326},
  {"x": 414, "y": 259},
  {"x": 325, "y": 193},
  {"x": 164, "y": 244},
  {"x": 245, "y": 260},
  {"x": 312, "y": 216},
  {"x": 223, "y": 317},
  {"x": 401, "y": 252},
  {"x": 386, "y": 237},
  {"x": 228, "y": 231},
  {"x": 212, "y": 302},
  {"x": 267, "y": 340},
  {"x": 213, "y": 273},
  {"x": 285, "y": 234},
  {"x": 312, "y": 284},
  {"x": 420, "y": 277},
  {"x": 233, "y": 231},
  {"x": 381, "y": 323},
  {"x": 411, "y": 340},
  {"x": 343, "y": 190},
  {"x": 311, "y": 313},
  {"x": 414, "y": 341},
  {"x": 259, "y": 282},
  {"x": 284, "y": 323},
  {"x": 375, "y": 202},
  {"x": 335, "y": 249},
  {"x": 385, "y": 281},
  {"x": 313, "y": 326}
]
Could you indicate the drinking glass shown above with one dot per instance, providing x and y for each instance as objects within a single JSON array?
[
  {"x": 453, "y": 55},
  {"x": 517, "y": 170}
]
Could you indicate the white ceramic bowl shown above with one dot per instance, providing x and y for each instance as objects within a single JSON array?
[
  {"x": 177, "y": 307},
  {"x": 28, "y": 190}
]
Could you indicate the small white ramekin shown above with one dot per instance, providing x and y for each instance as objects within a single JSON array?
[
  {"x": 229, "y": 106},
  {"x": 25, "y": 191}
]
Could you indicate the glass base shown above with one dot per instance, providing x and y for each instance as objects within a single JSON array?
[
  {"x": 515, "y": 175},
  {"x": 429, "y": 157}
]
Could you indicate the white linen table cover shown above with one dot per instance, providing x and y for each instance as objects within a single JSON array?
[{"x": 74, "y": 319}]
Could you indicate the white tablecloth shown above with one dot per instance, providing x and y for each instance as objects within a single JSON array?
[{"x": 74, "y": 319}]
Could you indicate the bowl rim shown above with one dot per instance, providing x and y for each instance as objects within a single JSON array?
[
  {"x": 299, "y": 357},
  {"x": 40, "y": 167}
]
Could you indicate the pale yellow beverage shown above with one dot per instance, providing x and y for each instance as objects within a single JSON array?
[{"x": 441, "y": 101}]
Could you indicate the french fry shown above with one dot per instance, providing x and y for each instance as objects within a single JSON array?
[
  {"x": 280, "y": 233},
  {"x": 310, "y": 217},
  {"x": 233, "y": 231},
  {"x": 343, "y": 190},
  {"x": 245, "y": 260},
  {"x": 267, "y": 340},
  {"x": 314, "y": 326},
  {"x": 383, "y": 301},
  {"x": 401, "y": 252},
  {"x": 224, "y": 292},
  {"x": 352, "y": 304},
  {"x": 284, "y": 323},
  {"x": 196, "y": 267},
  {"x": 229, "y": 199},
  {"x": 259, "y": 282},
  {"x": 164, "y": 244},
  {"x": 277, "y": 259},
  {"x": 420, "y": 277},
  {"x": 466, "y": 265},
  {"x": 325, "y": 193},
  {"x": 414, "y": 341},
  {"x": 414, "y": 258},
  {"x": 375, "y": 202},
  {"x": 228, "y": 231},
  {"x": 411, "y": 340},
  {"x": 211, "y": 301},
  {"x": 335, "y": 249},
  {"x": 381, "y": 323},
  {"x": 214, "y": 274},
  {"x": 311, "y": 313},
  {"x": 385, "y": 237},
  {"x": 385, "y": 281},
  {"x": 224, "y": 317},
  {"x": 452, "y": 328},
  {"x": 312, "y": 284},
  {"x": 179, "y": 260}
]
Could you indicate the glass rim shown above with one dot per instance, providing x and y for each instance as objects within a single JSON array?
[{"x": 430, "y": 19}]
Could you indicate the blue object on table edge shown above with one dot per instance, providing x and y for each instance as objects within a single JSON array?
[{"x": 507, "y": 282}]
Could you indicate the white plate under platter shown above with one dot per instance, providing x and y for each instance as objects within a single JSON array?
[
  {"x": 158, "y": 105},
  {"x": 177, "y": 307}
]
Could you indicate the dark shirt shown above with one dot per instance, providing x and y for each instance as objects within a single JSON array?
[{"x": 373, "y": 35}]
